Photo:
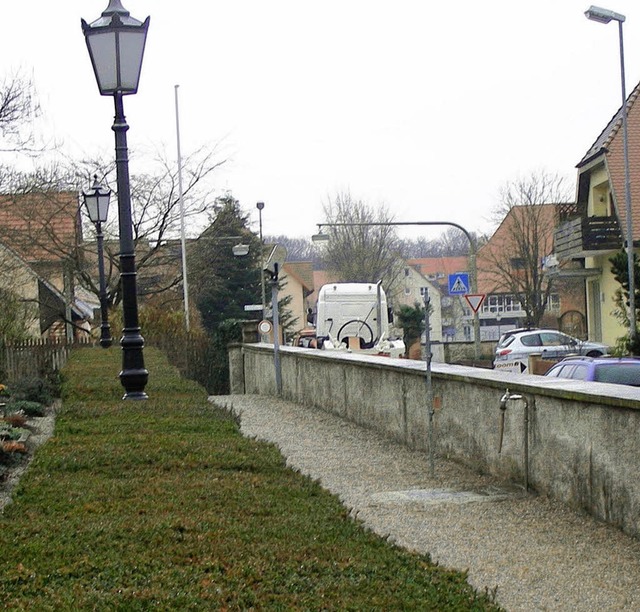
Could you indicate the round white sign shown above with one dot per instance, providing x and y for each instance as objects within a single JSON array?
[{"x": 264, "y": 327}]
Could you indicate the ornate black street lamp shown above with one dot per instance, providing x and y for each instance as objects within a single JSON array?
[
  {"x": 96, "y": 201},
  {"x": 116, "y": 46}
]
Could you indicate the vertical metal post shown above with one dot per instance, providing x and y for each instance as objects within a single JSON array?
[
  {"x": 133, "y": 376},
  {"x": 260, "y": 206},
  {"x": 183, "y": 241},
  {"x": 633, "y": 326},
  {"x": 379, "y": 311},
  {"x": 105, "y": 330},
  {"x": 68, "y": 299},
  {"x": 473, "y": 266},
  {"x": 429, "y": 383},
  {"x": 276, "y": 331}
]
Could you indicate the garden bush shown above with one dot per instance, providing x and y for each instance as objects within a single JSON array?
[
  {"x": 31, "y": 409},
  {"x": 32, "y": 390}
]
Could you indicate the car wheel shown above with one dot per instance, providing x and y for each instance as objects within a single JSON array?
[{"x": 594, "y": 354}]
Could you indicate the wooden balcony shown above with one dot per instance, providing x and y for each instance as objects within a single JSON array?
[{"x": 586, "y": 237}]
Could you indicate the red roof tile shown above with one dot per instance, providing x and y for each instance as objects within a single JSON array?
[{"x": 41, "y": 227}]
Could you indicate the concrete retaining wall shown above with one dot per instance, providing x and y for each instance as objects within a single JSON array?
[{"x": 582, "y": 438}]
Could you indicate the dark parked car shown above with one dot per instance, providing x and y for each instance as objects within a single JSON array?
[{"x": 619, "y": 370}]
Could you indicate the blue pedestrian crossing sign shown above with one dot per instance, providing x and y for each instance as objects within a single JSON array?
[{"x": 458, "y": 283}]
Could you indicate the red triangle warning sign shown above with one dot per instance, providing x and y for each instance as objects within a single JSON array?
[{"x": 475, "y": 300}]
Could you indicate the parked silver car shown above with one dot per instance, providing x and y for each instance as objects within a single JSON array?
[{"x": 550, "y": 343}]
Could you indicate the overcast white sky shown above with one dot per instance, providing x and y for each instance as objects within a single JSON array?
[{"x": 428, "y": 107}]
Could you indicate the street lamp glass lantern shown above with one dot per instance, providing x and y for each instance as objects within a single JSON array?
[
  {"x": 602, "y": 15},
  {"x": 240, "y": 250},
  {"x": 96, "y": 200},
  {"x": 116, "y": 44},
  {"x": 320, "y": 238}
]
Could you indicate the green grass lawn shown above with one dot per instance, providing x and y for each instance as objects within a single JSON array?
[{"x": 163, "y": 504}]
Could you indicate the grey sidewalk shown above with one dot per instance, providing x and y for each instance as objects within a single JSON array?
[{"x": 539, "y": 554}]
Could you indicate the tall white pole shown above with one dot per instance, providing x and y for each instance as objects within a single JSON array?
[{"x": 185, "y": 286}]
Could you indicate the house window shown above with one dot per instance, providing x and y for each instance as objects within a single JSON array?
[
  {"x": 512, "y": 304},
  {"x": 518, "y": 263},
  {"x": 553, "y": 303},
  {"x": 501, "y": 304}
]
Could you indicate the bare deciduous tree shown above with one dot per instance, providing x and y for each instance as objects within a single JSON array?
[
  {"x": 450, "y": 243},
  {"x": 361, "y": 253},
  {"x": 513, "y": 259},
  {"x": 298, "y": 249},
  {"x": 19, "y": 108}
]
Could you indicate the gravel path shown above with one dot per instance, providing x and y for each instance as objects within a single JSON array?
[{"x": 536, "y": 552}]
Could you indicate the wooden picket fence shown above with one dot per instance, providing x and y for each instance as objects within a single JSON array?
[{"x": 36, "y": 357}]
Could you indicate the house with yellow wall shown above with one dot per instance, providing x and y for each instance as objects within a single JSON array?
[
  {"x": 595, "y": 228},
  {"x": 43, "y": 306}
]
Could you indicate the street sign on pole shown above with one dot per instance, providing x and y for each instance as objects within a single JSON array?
[
  {"x": 459, "y": 283},
  {"x": 475, "y": 300}
]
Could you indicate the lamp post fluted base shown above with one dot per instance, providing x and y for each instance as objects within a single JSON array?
[
  {"x": 134, "y": 381},
  {"x": 105, "y": 336},
  {"x": 134, "y": 376}
]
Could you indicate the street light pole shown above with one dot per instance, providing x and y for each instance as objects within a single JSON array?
[
  {"x": 96, "y": 201},
  {"x": 134, "y": 375},
  {"x": 116, "y": 44},
  {"x": 105, "y": 329},
  {"x": 260, "y": 207},
  {"x": 472, "y": 260},
  {"x": 601, "y": 15}
]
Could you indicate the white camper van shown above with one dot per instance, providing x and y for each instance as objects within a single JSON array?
[{"x": 355, "y": 316}]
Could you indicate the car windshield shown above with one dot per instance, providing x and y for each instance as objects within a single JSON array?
[{"x": 620, "y": 373}]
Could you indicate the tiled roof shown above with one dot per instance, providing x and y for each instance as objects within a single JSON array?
[
  {"x": 433, "y": 266},
  {"x": 611, "y": 144},
  {"x": 614, "y": 125},
  {"x": 303, "y": 271},
  {"x": 40, "y": 227}
]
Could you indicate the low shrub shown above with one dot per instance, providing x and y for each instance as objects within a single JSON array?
[
  {"x": 29, "y": 408},
  {"x": 32, "y": 390}
]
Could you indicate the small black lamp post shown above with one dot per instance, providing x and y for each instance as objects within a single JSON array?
[
  {"x": 96, "y": 201},
  {"x": 116, "y": 46}
]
